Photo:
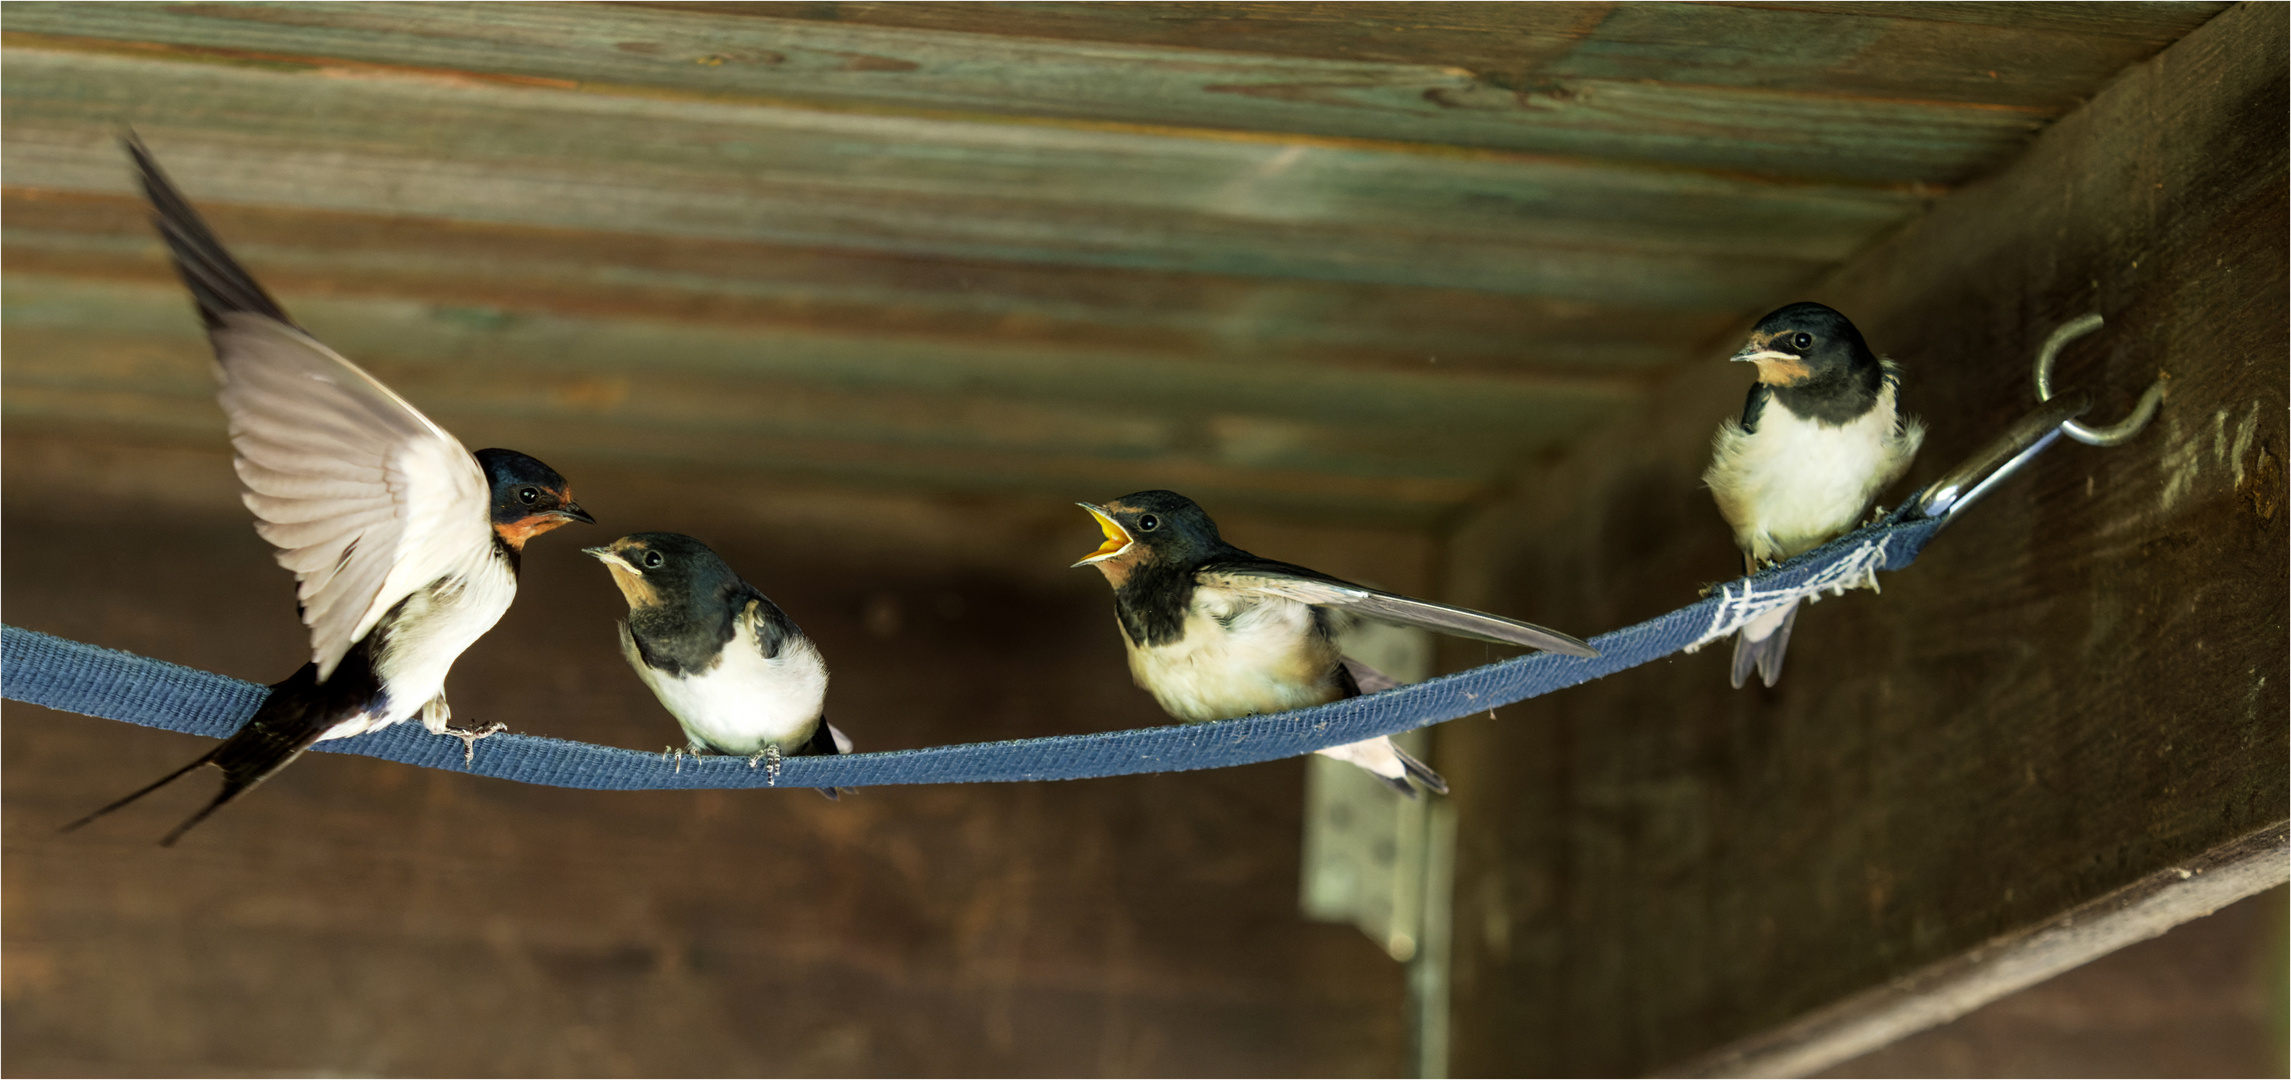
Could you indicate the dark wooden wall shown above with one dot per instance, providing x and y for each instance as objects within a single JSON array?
[
  {"x": 355, "y": 916},
  {"x": 2080, "y": 683}
]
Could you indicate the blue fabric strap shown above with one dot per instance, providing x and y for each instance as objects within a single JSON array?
[{"x": 60, "y": 674}]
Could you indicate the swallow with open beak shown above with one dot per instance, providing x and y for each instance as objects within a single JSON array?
[
  {"x": 1820, "y": 436},
  {"x": 1214, "y": 632},
  {"x": 405, "y": 545},
  {"x": 738, "y": 674}
]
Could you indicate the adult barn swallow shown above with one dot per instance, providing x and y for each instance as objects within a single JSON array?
[
  {"x": 1820, "y": 436},
  {"x": 738, "y": 674},
  {"x": 405, "y": 545},
  {"x": 1214, "y": 632}
]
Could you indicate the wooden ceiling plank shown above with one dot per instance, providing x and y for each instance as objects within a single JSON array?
[
  {"x": 894, "y": 160},
  {"x": 517, "y": 271},
  {"x": 2045, "y": 57},
  {"x": 636, "y": 199},
  {"x": 1414, "y": 500},
  {"x": 1782, "y": 133},
  {"x": 2154, "y": 22},
  {"x": 406, "y": 340}
]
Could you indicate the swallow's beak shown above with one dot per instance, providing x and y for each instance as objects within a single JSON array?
[
  {"x": 609, "y": 557},
  {"x": 1775, "y": 367},
  {"x": 572, "y": 511},
  {"x": 1118, "y": 539}
]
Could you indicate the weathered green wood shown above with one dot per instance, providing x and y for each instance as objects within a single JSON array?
[
  {"x": 2041, "y": 55},
  {"x": 1247, "y": 320},
  {"x": 125, "y": 358},
  {"x": 1792, "y": 132},
  {"x": 591, "y": 161},
  {"x": 2079, "y": 684}
]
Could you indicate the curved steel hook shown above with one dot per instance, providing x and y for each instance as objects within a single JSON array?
[{"x": 2114, "y": 435}]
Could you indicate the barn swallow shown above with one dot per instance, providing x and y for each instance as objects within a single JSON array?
[
  {"x": 1819, "y": 438},
  {"x": 1214, "y": 632},
  {"x": 738, "y": 674},
  {"x": 405, "y": 546}
]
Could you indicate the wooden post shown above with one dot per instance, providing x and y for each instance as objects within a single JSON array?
[{"x": 2080, "y": 685}]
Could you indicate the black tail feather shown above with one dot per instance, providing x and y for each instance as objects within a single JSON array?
[
  {"x": 1420, "y": 772},
  {"x": 822, "y": 742},
  {"x": 144, "y": 790},
  {"x": 297, "y": 712}
]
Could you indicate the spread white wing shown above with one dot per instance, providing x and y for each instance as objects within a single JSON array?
[
  {"x": 365, "y": 498},
  {"x": 1269, "y": 578}
]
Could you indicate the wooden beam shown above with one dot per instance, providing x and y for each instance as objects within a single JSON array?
[
  {"x": 2079, "y": 685},
  {"x": 704, "y": 281},
  {"x": 125, "y": 360},
  {"x": 2015, "y": 961},
  {"x": 1974, "y": 53},
  {"x": 602, "y": 162},
  {"x": 1770, "y": 121}
]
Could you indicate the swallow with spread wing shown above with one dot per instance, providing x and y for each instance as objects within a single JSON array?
[{"x": 405, "y": 546}]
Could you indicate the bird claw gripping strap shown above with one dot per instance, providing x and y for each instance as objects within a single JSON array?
[{"x": 43, "y": 670}]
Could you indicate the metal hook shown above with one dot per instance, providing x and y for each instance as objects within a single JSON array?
[{"x": 2115, "y": 435}]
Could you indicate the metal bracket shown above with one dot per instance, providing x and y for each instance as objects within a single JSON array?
[
  {"x": 2054, "y": 416},
  {"x": 2116, "y": 434}
]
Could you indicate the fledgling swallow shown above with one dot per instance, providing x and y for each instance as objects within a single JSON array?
[
  {"x": 1821, "y": 435},
  {"x": 738, "y": 674},
  {"x": 1214, "y": 632},
  {"x": 404, "y": 545}
]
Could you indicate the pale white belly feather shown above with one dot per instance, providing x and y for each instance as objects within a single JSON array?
[
  {"x": 747, "y": 701},
  {"x": 432, "y": 631},
  {"x": 1264, "y": 657},
  {"x": 1796, "y": 483}
]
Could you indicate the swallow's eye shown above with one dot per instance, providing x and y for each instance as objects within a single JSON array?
[
  {"x": 651, "y": 559},
  {"x": 1802, "y": 341},
  {"x": 1148, "y": 523},
  {"x": 528, "y": 496}
]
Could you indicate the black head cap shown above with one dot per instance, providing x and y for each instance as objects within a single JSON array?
[
  {"x": 660, "y": 569},
  {"x": 529, "y": 498},
  {"x": 1152, "y": 526},
  {"x": 1807, "y": 343}
]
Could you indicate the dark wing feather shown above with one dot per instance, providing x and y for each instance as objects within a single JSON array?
[
  {"x": 1754, "y": 406},
  {"x": 1249, "y": 574},
  {"x": 216, "y": 280}
]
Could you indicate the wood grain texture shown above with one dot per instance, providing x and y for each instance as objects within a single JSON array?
[
  {"x": 967, "y": 190},
  {"x": 1973, "y": 53},
  {"x": 127, "y": 360},
  {"x": 2193, "y": 889},
  {"x": 2080, "y": 684},
  {"x": 1717, "y": 107},
  {"x": 732, "y": 284}
]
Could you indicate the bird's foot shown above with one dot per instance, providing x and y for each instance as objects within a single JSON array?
[
  {"x": 469, "y": 737},
  {"x": 769, "y": 758}
]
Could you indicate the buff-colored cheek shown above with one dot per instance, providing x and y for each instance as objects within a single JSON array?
[{"x": 639, "y": 592}]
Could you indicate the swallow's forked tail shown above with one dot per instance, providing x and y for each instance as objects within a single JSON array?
[
  {"x": 1761, "y": 644},
  {"x": 286, "y": 725}
]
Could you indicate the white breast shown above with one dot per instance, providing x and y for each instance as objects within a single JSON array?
[
  {"x": 1796, "y": 483},
  {"x": 433, "y": 628},
  {"x": 1239, "y": 656},
  {"x": 746, "y": 701}
]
